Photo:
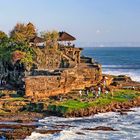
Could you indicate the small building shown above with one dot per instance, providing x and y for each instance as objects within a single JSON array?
[
  {"x": 37, "y": 41},
  {"x": 63, "y": 36}
]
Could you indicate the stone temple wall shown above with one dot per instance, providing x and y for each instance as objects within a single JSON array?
[{"x": 75, "y": 78}]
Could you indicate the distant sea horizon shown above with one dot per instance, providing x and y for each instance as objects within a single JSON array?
[
  {"x": 110, "y": 47},
  {"x": 107, "y": 44}
]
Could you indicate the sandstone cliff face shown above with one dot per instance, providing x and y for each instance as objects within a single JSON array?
[{"x": 69, "y": 79}]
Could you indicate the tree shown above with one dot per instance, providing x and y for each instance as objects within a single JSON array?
[
  {"x": 24, "y": 54},
  {"x": 30, "y": 31},
  {"x": 51, "y": 38},
  {"x": 11, "y": 52},
  {"x": 19, "y": 33},
  {"x": 23, "y": 33},
  {"x": 55, "y": 37},
  {"x": 3, "y": 35}
]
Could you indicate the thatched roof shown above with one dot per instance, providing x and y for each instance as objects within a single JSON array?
[
  {"x": 63, "y": 36},
  {"x": 37, "y": 40}
]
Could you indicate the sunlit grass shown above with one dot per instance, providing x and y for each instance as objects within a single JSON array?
[{"x": 103, "y": 100}]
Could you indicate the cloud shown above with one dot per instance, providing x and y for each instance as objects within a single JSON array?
[{"x": 98, "y": 31}]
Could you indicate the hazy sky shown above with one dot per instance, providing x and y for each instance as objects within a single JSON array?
[{"x": 87, "y": 20}]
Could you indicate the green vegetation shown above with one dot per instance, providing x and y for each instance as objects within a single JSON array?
[
  {"x": 16, "y": 49},
  {"x": 11, "y": 52},
  {"x": 74, "y": 105},
  {"x": 23, "y": 33}
]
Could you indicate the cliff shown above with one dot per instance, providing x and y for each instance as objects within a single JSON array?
[{"x": 68, "y": 79}]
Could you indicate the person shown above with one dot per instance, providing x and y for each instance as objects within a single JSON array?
[
  {"x": 99, "y": 91},
  {"x": 104, "y": 84},
  {"x": 96, "y": 91},
  {"x": 69, "y": 43},
  {"x": 106, "y": 92},
  {"x": 104, "y": 80},
  {"x": 80, "y": 93},
  {"x": 133, "y": 88},
  {"x": 0, "y": 82},
  {"x": 93, "y": 91},
  {"x": 86, "y": 91},
  {"x": 60, "y": 98},
  {"x": 3, "y": 82}
]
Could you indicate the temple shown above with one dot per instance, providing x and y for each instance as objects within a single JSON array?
[
  {"x": 57, "y": 68},
  {"x": 60, "y": 69}
]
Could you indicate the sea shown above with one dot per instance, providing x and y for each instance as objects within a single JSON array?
[{"x": 116, "y": 61}]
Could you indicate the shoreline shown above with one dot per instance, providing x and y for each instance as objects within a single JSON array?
[
  {"x": 20, "y": 129},
  {"x": 114, "y": 107},
  {"x": 20, "y": 124},
  {"x": 103, "y": 104}
]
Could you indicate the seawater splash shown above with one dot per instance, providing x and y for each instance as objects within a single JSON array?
[
  {"x": 134, "y": 74},
  {"x": 128, "y": 127}
]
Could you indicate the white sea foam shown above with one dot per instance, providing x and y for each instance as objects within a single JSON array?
[
  {"x": 128, "y": 127},
  {"x": 122, "y": 66},
  {"x": 134, "y": 74}
]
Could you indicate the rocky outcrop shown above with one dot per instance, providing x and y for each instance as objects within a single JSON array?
[
  {"x": 113, "y": 107},
  {"x": 69, "y": 79},
  {"x": 14, "y": 132},
  {"x": 102, "y": 128},
  {"x": 15, "y": 126}
]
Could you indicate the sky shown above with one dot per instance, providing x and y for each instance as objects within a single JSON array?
[{"x": 87, "y": 20}]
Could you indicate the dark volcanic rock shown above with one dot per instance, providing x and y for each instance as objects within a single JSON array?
[
  {"x": 16, "y": 131},
  {"x": 123, "y": 113},
  {"x": 102, "y": 128},
  {"x": 80, "y": 133},
  {"x": 63, "y": 126},
  {"x": 48, "y": 131},
  {"x": 15, "y": 126}
]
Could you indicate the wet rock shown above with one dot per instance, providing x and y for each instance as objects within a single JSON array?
[
  {"x": 122, "y": 78},
  {"x": 127, "y": 110},
  {"x": 102, "y": 128},
  {"x": 80, "y": 133},
  {"x": 63, "y": 126},
  {"x": 123, "y": 113},
  {"x": 47, "y": 131},
  {"x": 15, "y": 126},
  {"x": 16, "y": 131}
]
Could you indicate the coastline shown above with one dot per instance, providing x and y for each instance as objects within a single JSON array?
[
  {"x": 20, "y": 124},
  {"x": 114, "y": 106}
]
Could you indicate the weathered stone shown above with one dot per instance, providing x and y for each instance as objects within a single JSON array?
[
  {"x": 70, "y": 79},
  {"x": 103, "y": 128}
]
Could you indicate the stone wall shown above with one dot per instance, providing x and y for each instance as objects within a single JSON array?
[{"x": 69, "y": 79}]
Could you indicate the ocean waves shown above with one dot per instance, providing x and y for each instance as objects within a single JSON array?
[
  {"x": 127, "y": 127},
  {"x": 133, "y": 73},
  {"x": 133, "y": 67}
]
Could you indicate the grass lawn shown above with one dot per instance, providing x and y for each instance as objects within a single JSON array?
[{"x": 71, "y": 105}]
